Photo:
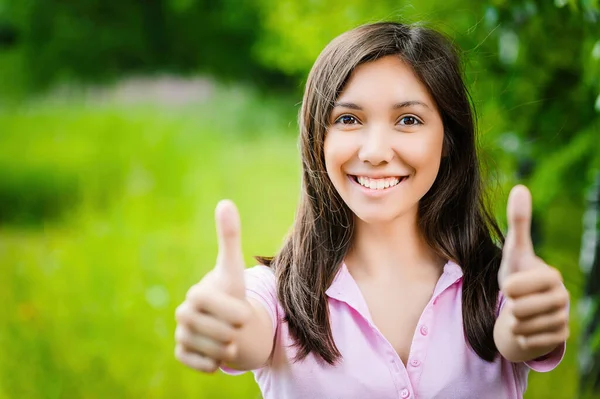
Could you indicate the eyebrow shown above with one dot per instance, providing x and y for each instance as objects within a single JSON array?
[{"x": 404, "y": 104}]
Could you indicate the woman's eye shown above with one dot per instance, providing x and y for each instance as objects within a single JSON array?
[
  {"x": 409, "y": 121},
  {"x": 346, "y": 120}
]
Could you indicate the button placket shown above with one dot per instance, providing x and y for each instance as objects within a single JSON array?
[
  {"x": 398, "y": 372},
  {"x": 418, "y": 352}
]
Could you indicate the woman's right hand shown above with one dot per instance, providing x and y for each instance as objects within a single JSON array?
[{"x": 215, "y": 309}]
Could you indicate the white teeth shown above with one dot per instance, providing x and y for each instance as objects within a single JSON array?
[{"x": 378, "y": 184}]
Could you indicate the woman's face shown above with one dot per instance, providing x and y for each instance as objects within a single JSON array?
[{"x": 384, "y": 142}]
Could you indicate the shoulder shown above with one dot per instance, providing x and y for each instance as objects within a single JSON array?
[
  {"x": 261, "y": 280},
  {"x": 261, "y": 287},
  {"x": 260, "y": 272}
]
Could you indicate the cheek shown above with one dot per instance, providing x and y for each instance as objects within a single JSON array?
[
  {"x": 425, "y": 154},
  {"x": 338, "y": 151}
]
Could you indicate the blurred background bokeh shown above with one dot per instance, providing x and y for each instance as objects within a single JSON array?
[{"x": 122, "y": 123}]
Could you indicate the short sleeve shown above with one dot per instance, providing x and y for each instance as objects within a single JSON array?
[
  {"x": 544, "y": 363},
  {"x": 550, "y": 361},
  {"x": 260, "y": 286}
]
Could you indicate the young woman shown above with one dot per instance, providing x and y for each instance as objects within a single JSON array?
[{"x": 395, "y": 280}]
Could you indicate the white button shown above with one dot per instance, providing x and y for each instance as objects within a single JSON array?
[
  {"x": 405, "y": 393},
  {"x": 415, "y": 363},
  {"x": 424, "y": 330}
]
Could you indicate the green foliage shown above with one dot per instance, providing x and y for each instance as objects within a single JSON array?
[
  {"x": 93, "y": 41},
  {"x": 315, "y": 23}
]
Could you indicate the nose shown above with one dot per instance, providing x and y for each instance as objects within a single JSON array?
[{"x": 376, "y": 147}]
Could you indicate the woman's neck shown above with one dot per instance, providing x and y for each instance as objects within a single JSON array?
[{"x": 394, "y": 249}]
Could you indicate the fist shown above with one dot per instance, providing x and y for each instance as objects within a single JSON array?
[
  {"x": 536, "y": 298},
  {"x": 215, "y": 308}
]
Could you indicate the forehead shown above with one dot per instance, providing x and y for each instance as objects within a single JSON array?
[{"x": 388, "y": 77}]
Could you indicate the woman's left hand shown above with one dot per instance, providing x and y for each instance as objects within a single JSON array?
[{"x": 536, "y": 309}]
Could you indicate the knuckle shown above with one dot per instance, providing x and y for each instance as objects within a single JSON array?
[
  {"x": 178, "y": 334},
  {"x": 517, "y": 308},
  {"x": 191, "y": 292},
  {"x": 182, "y": 313},
  {"x": 226, "y": 334},
  {"x": 526, "y": 328},
  {"x": 180, "y": 353},
  {"x": 557, "y": 321},
  {"x": 221, "y": 353},
  {"x": 211, "y": 366},
  {"x": 515, "y": 327},
  {"x": 562, "y": 298},
  {"x": 510, "y": 284},
  {"x": 554, "y": 274},
  {"x": 199, "y": 298},
  {"x": 539, "y": 259},
  {"x": 509, "y": 305},
  {"x": 203, "y": 324},
  {"x": 179, "y": 311},
  {"x": 182, "y": 336}
]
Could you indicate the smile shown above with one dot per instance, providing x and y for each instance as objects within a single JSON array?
[{"x": 380, "y": 184}]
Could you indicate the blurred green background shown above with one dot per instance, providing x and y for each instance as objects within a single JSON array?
[{"x": 123, "y": 123}]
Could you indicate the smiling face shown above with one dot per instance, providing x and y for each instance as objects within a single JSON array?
[{"x": 383, "y": 146}]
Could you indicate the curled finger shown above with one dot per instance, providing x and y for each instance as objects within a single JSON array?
[
  {"x": 215, "y": 350},
  {"x": 549, "y": 322},
  {"x": 195, "y": 360}
]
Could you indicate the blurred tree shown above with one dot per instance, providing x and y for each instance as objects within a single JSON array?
[
  {"x": 560, "y": 130},
  {"x": 589, "y": 354},
  {"x": 8, "y": 34},
  {"x": 95, "y": 40}
]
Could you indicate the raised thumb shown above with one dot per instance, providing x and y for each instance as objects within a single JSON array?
[
  {"x": 230, "y": 260},
  {"x": 518, "y": 241}
]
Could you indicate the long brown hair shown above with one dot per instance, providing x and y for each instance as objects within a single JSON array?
[{"x": 453, "y": 215}]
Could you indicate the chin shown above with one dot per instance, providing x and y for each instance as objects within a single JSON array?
[
  {"x": 382, "y": 213},
  {"x": 376, "y": 216}
]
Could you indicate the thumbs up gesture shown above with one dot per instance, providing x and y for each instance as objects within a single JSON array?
[
  {"x": 537, "y": 301},
  {"x": 215, "y": 309}
]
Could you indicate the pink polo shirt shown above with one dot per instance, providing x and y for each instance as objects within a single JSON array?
[{"x": 440, "y": 364}]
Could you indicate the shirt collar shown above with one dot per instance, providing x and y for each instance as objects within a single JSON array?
[
  {"x": 451, "y": 274},
  {"x": 344, "y": 288}
]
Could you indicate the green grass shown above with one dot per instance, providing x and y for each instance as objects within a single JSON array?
[{"x": 107, "y": 220}]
